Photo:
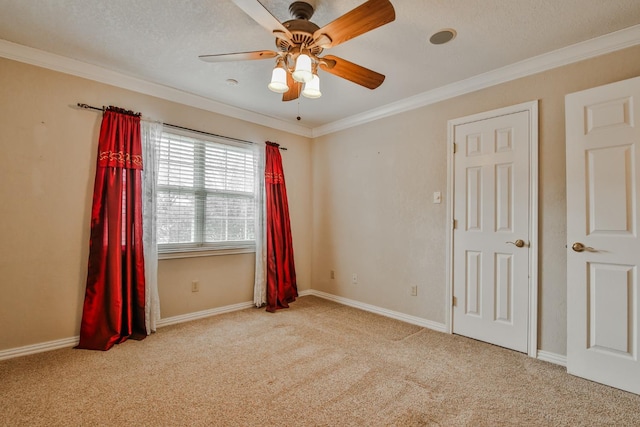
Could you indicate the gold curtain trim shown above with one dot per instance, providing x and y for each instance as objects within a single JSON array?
[
  {"x": 274, "y": 178},
  {"x": 121, "y": 157}
]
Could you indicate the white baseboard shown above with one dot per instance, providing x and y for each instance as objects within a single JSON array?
[
  {"x": 440, "y": 327},
  {"x": 39, "y": 348},
  {"x": 204, "y": 313},
  {"x": 554, "y": 358},
  {"x": 73, "y": 341},
  {"x": 546, "y": 356}
]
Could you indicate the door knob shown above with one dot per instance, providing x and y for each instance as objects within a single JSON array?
[
  {"x": 579, "y": 247},
  {"x": 519, "y": 243}
]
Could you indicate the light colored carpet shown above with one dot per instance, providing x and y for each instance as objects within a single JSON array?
[{"x": 316, "y": 364}]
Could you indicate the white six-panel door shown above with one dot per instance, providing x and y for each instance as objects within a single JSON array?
[
  {"x": 603, "y": 247},
  {"x": 491, "y": 236}
]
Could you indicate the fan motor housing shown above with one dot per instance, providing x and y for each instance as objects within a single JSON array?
[
  {"x": 301, "y": 28},
  {"x": 302, "y": 32}
]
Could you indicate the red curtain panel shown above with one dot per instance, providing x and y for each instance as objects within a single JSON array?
[
  {"x": 114, "y": 299},
  {"x": 282, "y": 287}
]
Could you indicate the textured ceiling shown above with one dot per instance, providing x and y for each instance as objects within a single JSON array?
[{"x": 160, "y": 40}]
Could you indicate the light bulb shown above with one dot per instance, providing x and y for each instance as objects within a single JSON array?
[{"x": 302, "y": 73}]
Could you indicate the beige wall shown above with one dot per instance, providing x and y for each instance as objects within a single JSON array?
[
  {"x": 368, "y": 190},
  {"x": 47, "y": 170},
  {"x": 373, "y": 186}
]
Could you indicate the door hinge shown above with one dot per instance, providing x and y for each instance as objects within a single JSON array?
[
  {"x": 455, "y": 148},
  {"x": 454, "y": 301},
  {"x": 454, "y": 224}
]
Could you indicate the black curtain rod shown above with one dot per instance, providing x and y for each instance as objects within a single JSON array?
[{"x": 90, "y": 107}]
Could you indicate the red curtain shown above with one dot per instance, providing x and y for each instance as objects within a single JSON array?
[
  {"x": 282, "y": 287},
  {"x": 115, "y": 297}
]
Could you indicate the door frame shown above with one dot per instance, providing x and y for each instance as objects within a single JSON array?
[{"x": 532, "y": 109}]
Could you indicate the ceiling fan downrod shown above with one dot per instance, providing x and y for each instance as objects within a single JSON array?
[{"x": 301, "y": 10}]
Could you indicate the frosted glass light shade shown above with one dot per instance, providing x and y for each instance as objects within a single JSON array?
[
  {"x": 312, "y": 88},
  {"x": 302, "y": 73},
  {"x": 278, "y": 80}
]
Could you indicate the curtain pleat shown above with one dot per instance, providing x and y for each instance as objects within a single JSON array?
[
  {"x": 114, "y": 304},
  {"x": 282, "y": 287}
]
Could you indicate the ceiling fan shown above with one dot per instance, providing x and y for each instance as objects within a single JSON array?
[{"x": 300, "y": 42}]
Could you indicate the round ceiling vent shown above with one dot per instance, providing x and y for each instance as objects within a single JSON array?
[{"x": 443, "y": 36}]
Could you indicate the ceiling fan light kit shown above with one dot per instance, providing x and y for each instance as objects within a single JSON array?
[
  {"x": 278, "y": 80},
  {"x": 300, "y": 43},
  {"x": 303, "y": 73},
  {"x": 312, "y": 88}
]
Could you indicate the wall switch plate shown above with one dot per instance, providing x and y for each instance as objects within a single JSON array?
[
  {"x": 437, "y": 197},
  {"x": 195, "y": 286},
  {"x": 414, "y": 291},
  {"x": 354, "y": 278}
]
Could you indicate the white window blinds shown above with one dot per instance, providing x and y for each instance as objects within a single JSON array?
[{"x": 206, "y": 192}]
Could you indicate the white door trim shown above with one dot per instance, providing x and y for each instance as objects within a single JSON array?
[{"x": 532, "y": 109}]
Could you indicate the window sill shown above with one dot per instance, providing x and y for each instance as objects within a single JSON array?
[{"x": 203, "y": 252}]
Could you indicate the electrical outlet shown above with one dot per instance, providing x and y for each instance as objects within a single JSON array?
[
  {"x": 195, "y": 286},
  {"x": 414, "y": 291},
  {"x": 333, "y": 274},
  {"x": 354, "y": 278}
]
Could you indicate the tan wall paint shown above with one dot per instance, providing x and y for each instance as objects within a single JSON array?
[
  {"x": 373, "y": 186},
  {"x": 47, "y": 169},
  {"x": 370, "y": 188}
]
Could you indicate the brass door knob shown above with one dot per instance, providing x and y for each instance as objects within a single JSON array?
[
  {"x": 579, "y": 247},
  {"x": 518, "y": 243}
]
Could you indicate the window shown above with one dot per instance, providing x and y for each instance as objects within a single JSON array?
[{"x": 205, "y": 194}]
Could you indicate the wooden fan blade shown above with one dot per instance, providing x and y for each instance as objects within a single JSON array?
[
  {"x": 262, "y": 16},
  {"x": 294, "y": 89},
  {"x": 366, "y": 17},
  {"x": 350, "y": 71},
  {"x": 239, "y": 56}
]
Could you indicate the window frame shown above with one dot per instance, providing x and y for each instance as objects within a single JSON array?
[{"x": 200, "y": 249}]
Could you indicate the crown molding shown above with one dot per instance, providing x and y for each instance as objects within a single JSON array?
[
  {"x": 77, "y": 68},
  {"x": 578, "y": 52}
]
